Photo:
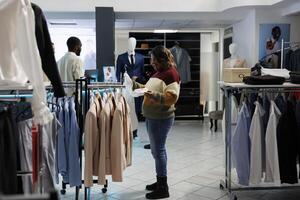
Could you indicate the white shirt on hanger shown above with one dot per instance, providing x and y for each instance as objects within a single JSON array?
[
  {"x": 19, "y": 58},
  {"x": 256, "y": 134},
  {"x": 272, "y": 161}
]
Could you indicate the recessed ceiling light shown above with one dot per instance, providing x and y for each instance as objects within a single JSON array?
[{"x": 165, "y": 31}]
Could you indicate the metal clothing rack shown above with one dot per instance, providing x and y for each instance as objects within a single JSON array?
[
  {"x": 83, "y": 87},
  {"x": 78, "y": 84},
  {"x": 89, "y": 87},
  {"x": 233, "y": 88},
  {"x": 7, "y": 92},
  {"x": 284, "y": 48}
]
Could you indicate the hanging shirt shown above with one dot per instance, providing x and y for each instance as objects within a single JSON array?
[
  {"x": 182, "y": 60},
  {"x": 61, "y": 149},
  {"x": 19, "y": 59},
  {"x": 287, "y": 144},
  {"x": 48, "y": 134},
  {"x": 272, "y": 163},
  {"x": 257, "y": 138},
  {"x": 74, "y": 164},
  {"x": 133, "y": 117},
  {"x": 46, "y": 51},
  {"x": 241, "y": 145},
  {"x": 70, "y": 68}
]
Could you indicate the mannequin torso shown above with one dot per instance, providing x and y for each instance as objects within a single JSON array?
[{"x": 234, "y": 61}]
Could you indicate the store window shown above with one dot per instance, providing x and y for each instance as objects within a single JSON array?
[{"x": 87, "y": 36}]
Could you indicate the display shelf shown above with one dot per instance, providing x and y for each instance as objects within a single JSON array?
[
  {"x": 245, "y": 86},
  {"x": 229, "y": 89}
]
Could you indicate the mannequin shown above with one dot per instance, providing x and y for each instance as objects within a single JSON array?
[
  {"x": 234, "y": 61},
  {"x": 124, "y": 63},
  {"x": 131, "y": 45},
  {"x": 132, "y": 63}
]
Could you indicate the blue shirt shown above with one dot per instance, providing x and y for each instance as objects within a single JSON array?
[
  {"x": 73, "y": 155},
  {"x": 241, "y": 145},
  {"x": 61, "y": 152}
]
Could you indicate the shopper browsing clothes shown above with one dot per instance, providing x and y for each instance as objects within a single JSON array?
[
  {"x": 70, "y": 65},
  {"x": 161, "y": 94}
]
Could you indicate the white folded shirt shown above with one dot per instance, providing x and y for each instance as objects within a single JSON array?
[{"x": 276, "y": 72}]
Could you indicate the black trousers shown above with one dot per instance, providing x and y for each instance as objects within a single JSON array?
[{"x": 8, "y": 154}]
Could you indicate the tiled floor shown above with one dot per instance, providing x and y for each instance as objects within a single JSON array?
[
  {"x": 195, "y": 167},
  {"x": 195, "y": 156}
]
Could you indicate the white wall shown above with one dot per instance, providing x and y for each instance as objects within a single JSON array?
[
  {"x": 244, "y": 37},
  {"x": 246, "y": 32},
  {"x": 59, "y": 37}
]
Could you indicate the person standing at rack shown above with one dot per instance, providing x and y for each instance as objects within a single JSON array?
[
  {"x": 70, "y": 65},
  {"x": 162, "y": 92}
]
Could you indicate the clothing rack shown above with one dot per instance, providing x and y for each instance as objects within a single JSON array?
[
  {"x": 283, "y": 48},
  {"x": 78, "y": 84},
  {"x": 19, "y": 93},
  {"x": 234, "y": 88},
  {"x": 92, "y": 86},
  {"x": 83, "y": 88}
]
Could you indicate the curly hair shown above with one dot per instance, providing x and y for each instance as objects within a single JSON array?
[{"x": 163, "y": 56}]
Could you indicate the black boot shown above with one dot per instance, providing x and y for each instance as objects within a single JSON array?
[
  {"x": 161, "y": 190},
  {"x": 134, "y": 134},
  {"x": 151, "y": 187}
]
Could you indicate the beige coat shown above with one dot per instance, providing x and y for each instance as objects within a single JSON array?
[
  {"x": 121, "y": 141},
  {"x": 92, "y": 142},
  {"x": 106, "y": 116}
]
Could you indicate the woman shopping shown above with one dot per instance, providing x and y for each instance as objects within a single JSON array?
[{"x": 161, "y": 94}]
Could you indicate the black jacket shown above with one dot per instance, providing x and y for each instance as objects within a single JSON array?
[
  {"x": 287, "y": 144},
  {"x": 46, "y": 51}
]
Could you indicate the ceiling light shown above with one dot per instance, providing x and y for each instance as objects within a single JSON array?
[{"x": 165, "y": 31}]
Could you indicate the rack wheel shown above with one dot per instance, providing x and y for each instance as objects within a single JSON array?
[
  {"x": 63, "y": 192},
  {"x": 233, "y": 197},
  {"x": 221, "y": 187},
  {"x": 104, "y": 190}
]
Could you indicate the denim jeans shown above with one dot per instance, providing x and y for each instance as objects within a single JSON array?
[{"x": 158, "y": 130}]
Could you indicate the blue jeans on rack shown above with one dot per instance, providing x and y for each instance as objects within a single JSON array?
[{"x": 158, "y": 130}]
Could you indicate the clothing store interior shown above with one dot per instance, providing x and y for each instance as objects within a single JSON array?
[{"x": 124, "y": 100}]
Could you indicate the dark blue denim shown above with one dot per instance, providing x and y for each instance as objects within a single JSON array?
[{"x": 158, "y": 130}]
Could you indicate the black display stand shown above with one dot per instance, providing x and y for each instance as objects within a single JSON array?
[{"x": 188, "y": 105}]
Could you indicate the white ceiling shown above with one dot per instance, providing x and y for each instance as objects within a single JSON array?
[{"x": 169, "y": 20}]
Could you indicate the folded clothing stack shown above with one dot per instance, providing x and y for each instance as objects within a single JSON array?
[
  {"x": 264, "y": 80},
  {"x": 295, "y": 77}
]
